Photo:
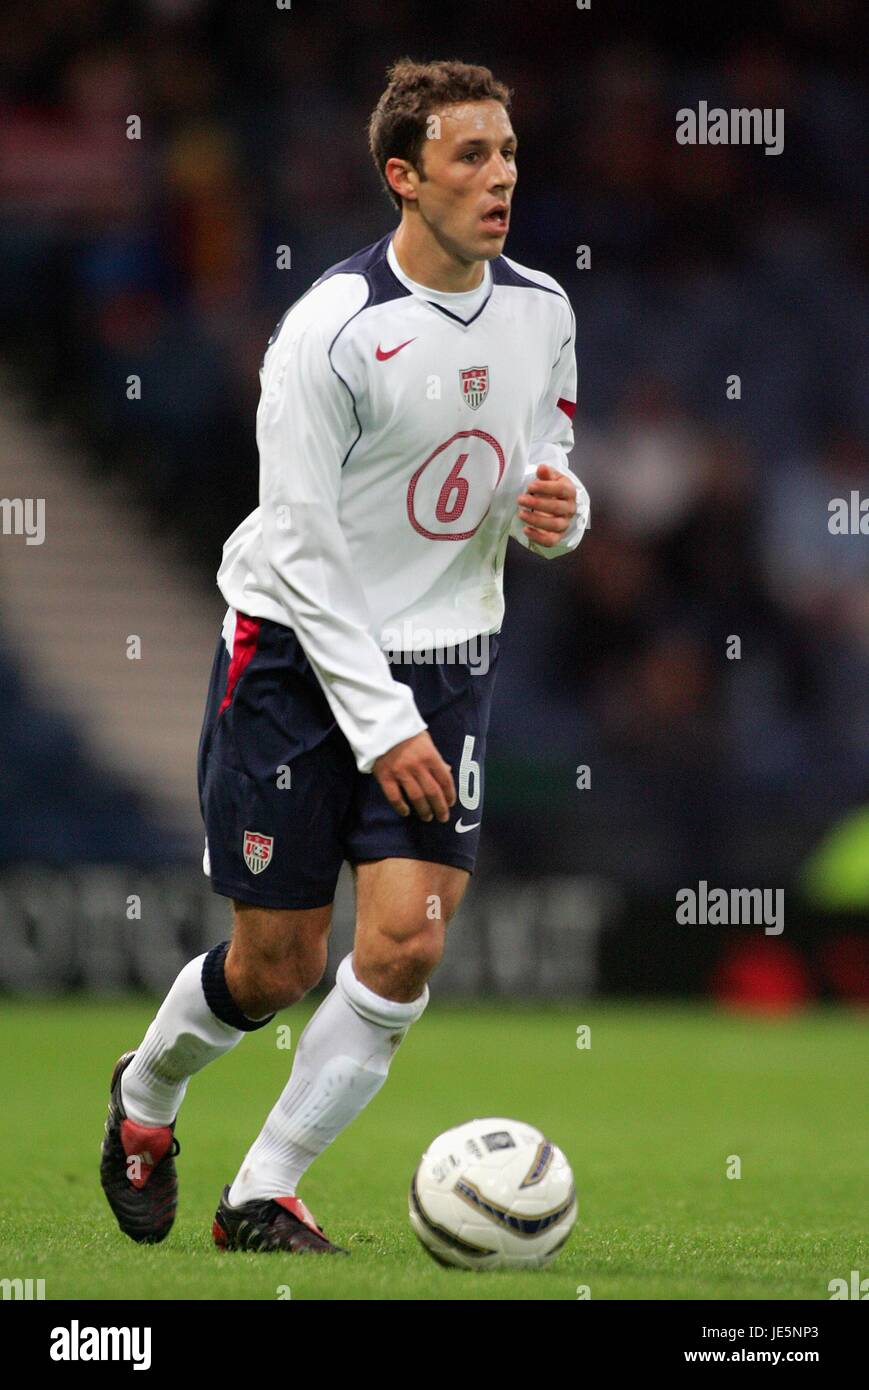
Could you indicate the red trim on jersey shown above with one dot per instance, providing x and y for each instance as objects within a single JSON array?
[
  {"x": 247, "y": 632},
  {"x": 569, "y": 407}
]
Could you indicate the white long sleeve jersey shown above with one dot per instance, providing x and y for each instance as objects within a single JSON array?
[{"x": 394, "y": 439}]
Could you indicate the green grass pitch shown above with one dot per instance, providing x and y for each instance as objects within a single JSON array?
[{"x": 648, "y": 1116}]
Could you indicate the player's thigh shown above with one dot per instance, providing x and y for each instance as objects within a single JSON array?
[
  {"x": 279, "y": 947},
  {"x": 402, "y": 910}
]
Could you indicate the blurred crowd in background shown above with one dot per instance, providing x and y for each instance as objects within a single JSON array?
[{"x": 158, "y": 256}]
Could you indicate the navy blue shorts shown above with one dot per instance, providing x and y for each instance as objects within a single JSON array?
[{"x": 282, "y": 799}]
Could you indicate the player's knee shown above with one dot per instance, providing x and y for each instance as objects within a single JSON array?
[
  {"x": 310, "y": 967},
  {"x": 269, "y": 990},
  {"x": 287, "y": 980},
  {"x": 269, "y": 980},
  {"x": 420, "y": 953}
]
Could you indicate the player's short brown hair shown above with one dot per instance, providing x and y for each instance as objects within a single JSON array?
[{"x": 397, "y": 128}]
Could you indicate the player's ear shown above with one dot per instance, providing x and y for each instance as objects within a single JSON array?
[{"x": 402, "y": 177}]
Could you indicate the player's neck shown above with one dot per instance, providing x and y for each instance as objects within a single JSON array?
[{"x": 428, "y": 264}]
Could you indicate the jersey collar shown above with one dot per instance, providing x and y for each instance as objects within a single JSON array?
[{"x": 443, "y": 299}]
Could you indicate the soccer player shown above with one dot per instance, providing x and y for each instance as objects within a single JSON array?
[{"x": 415, "y": 414}]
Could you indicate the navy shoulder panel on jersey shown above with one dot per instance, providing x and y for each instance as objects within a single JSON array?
[
  {"x": 372, "y": 263},
  {"x": 504, "y": 274}
]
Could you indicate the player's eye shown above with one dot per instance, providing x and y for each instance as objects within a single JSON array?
[{"x": 472, "y": 154}]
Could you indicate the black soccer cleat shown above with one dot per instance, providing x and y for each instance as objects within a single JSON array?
[
  {"x": 280, "y": 1223},
  {"x": 137, "y": 1169}
]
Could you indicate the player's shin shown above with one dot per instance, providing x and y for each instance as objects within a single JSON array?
[
  {"x": 197, "y": 1022},
  {"x": 341, "y": 1062}
]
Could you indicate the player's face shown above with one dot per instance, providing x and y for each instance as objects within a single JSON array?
[{"x": 470, "y": 173}]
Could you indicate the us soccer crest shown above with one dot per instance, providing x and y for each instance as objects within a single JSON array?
[
  {"x": 257, "y": 850},
  {"x": 475, "y": 385}
]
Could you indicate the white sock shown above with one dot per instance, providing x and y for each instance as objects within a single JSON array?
[
  {"x": 184, "y": 1037},
  {"x": 341, "y": 1062}
]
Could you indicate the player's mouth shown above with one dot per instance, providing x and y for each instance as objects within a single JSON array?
[{"x": 497, "y": 219}]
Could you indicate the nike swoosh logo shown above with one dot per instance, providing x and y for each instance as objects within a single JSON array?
[
  {"x": 382, "y": 356},
  {"x": 462, "y": 828}
]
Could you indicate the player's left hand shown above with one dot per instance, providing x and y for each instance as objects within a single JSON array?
[{"x": 547, "y": 508}]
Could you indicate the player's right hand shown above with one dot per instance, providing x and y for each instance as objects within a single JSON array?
[{"x": 415, "y": 768}]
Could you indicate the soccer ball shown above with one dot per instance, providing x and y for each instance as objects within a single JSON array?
[{"x": 492, "y": 1194}]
